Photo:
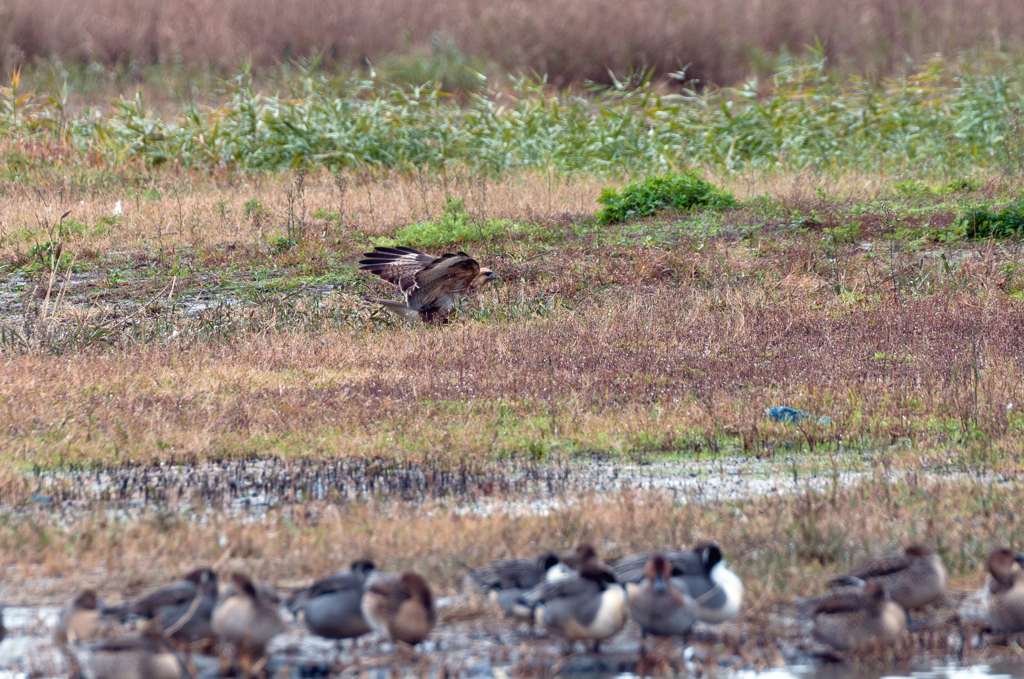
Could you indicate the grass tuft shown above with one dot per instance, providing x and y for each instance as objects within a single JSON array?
[
  {"x": 985, "y": 222},
  {"x": 454, "y": 225},
  {"x": 678, "y": 190}
]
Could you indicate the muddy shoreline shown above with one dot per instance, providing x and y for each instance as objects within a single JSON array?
[{"x": 472, "y": 639}]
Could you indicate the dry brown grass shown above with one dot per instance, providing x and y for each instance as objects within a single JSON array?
[
  {"x": 665, "y": 337},
  {"x": 569, "y": 40},
  {"x": 195, "y": 209},
  {"x": 783, "y": 546},
  {"x": 650, "y": 374},
  {"x": 673, "y": 338}
]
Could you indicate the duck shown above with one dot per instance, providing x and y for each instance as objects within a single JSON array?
[
  {"x": 247, "y": 618},
  {"x": 173, "y": 602},
  {"x": 79, "y": 620},
  {"x": 701, "y": 572},
  {"x": 400, "y": 607},
  {"x": 1004, "y": 593},
  {"x": 506, "y": 581},
  {"x": 854, "y": 617},
  {"x": 657, "y": 605},
  {"x": 582, "y": 555},
  {"x": 146, "y": 656},
  {"x": 330, "y": 607},
  {"x": 589, "y": 607},
  {"x": 913, "y": 579}
]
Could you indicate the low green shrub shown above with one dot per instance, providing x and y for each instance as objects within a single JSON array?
[
  {"x": 455, "y": 225},
  {"x": 984, "y": 222},
  {"x": 918, "y": 189},
  {"x": 679, "y": 190}
]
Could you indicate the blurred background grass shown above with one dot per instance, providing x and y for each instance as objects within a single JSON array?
[{"x": 720, "y": 41}]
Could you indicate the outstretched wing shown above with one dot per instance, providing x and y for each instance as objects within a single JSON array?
[
  {"x": 443, "y": 281},
  {"x": 396, "y": 265}
]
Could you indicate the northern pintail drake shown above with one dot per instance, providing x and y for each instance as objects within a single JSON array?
[
  {"x": 400, "y": 607},
  {"x": 1004, "y": 593},
  {"x": 855, "y": 617},
  {"x": 246, "y": 616},
  {"x": 147, "y": 656},
  {"x": 590, "y": 606},
  {"x": 79, "y": 620},
  {"x": 913, "y": 579},
  {"x": 702, "y": 572},
  {"x": 331, "y": 607},
  {"x": 175, "y": 600},
  {"x": 658, "y": 605},
  {"x": 507, "y": 581}
]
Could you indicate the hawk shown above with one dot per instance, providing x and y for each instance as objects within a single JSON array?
[{"x": 431, "y": 285}]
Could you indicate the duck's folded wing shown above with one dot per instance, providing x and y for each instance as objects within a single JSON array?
[
  {"x": 507, "y": 574},
  {"x": 175, "y": 594},
  {"x": 120, "y": 644},
  {"x": 845, "y": 600},
  {"x": 877, "y": 568},
  {"x": 559, "y": 589},
  {"x": 685, "y": 562},
  {"x": 335, "y": 583},
  {"x": 338, "y": 582},
  {"x": 630, "y": 568}
]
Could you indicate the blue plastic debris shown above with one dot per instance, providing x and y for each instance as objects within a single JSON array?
[{"x": 792, "y": 415}]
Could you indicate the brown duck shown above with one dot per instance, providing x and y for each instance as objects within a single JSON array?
[
  {"x": 913, "y": 579},
  {"x": 855, "y": 617},
  {"x": 400, "y": 607},
  {"x": 1004, "y": 594}
]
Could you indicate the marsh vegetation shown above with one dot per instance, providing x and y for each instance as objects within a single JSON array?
[{"x": 178, "y": 286}]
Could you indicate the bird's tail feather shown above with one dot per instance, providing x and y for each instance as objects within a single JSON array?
[{"x": 400, "y": 309}]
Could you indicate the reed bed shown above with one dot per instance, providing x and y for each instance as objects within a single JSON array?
[{"x": 944, "y": 119}]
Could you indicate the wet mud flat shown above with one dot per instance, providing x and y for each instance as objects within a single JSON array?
[
  {"x": 252, "y": 486},
  {"x": 471, "y": 639}
]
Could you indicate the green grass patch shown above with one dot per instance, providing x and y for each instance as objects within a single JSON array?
[
  {"x": 455, "y": 225},
  {"x": 985, "y": 222},
  {"x": 678, "y": 190},
  {"x": 918, "y": 189}
]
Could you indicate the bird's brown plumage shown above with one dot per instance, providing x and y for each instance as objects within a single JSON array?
[
  {"x": 1004, "y": 600},
  {"x": 431, "y": 285},
  {"x": 400, "y": 607}
]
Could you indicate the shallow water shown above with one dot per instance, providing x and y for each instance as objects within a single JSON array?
[
  {"x": 470, "y": 642},
  {"x": 251, "y": 487},
  {"x": 837, "y": 671}
]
